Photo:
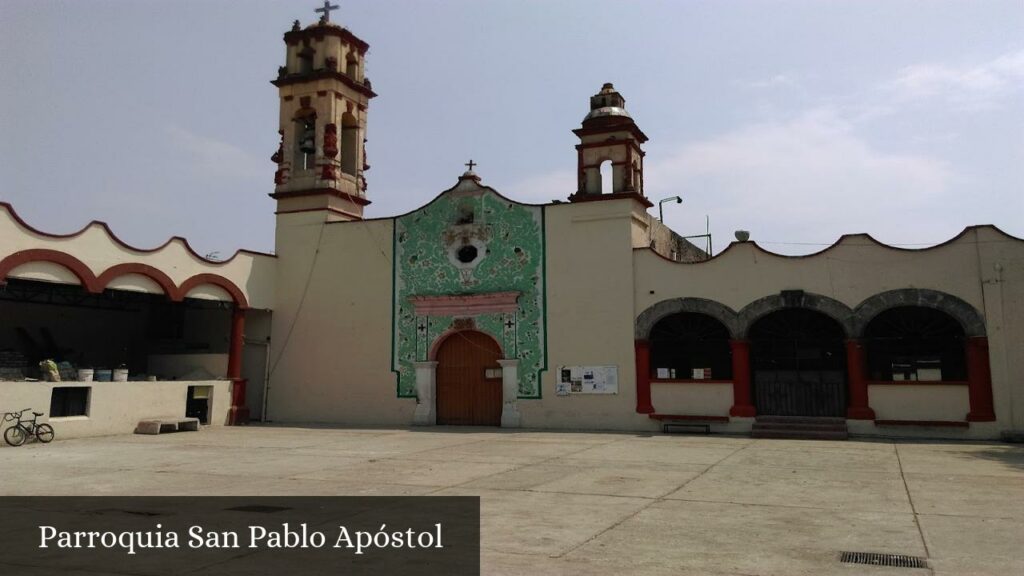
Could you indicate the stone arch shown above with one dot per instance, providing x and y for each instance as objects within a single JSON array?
[
  {"x": 350, "y": 144},
  {"x": 606, "y": 171},
  {"x": 154, "y": 274},
  {"x": 968, "y": 316},
  {"x": 649, "y": 317},
  {"x": 74, "y": 265},
  {"x": 219, "y": 281},
  {"x": 830, "y": 307}
]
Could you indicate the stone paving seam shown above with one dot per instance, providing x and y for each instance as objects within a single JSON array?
[
  {"x": 649, "y": 504},
  {"x": 559, "y": 492},
  {"x": 448, "y": 447},
  {"x": 526, "y": 465},
  {"x": 793, "y": 506},
  {"x": 917, "y": 522}
]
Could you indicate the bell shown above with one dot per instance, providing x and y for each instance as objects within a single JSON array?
[{"x": 307, "y": 144}]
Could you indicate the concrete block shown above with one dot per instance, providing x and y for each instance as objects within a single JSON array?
[
  {"x": 167, "y": 425},
  {"x": 188, "y": 425},
  {"x": 148, "y": 427}
]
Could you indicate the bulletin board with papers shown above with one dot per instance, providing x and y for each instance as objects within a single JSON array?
[{"x": 587, "y": 380}]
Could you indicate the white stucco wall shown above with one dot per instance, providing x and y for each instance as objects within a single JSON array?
[
  {"x": 331, "y": 344},
  {"x": 692, "y": 399},
  {"x": 919, "y": 402},
  {"x": 589, "y": 268},
  {"x": 114, "y": 407},
  {"x": 330, "y": 357}
]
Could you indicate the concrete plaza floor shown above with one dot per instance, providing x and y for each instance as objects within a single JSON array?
[{"x": 601, "y": 503}]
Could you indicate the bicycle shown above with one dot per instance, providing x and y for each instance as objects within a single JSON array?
[{"x": 22, "y": 429}]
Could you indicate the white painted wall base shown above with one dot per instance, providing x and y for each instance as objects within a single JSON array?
[
  {"x": 426, "y": 394},
  {"x": 510, "y": 417},
  {"x": 114, "y": 407}
]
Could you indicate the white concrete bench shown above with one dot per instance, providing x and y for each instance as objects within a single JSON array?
[{"x": 161, "y": 425}]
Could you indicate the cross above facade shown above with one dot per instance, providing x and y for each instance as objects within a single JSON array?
[
  {"x": 470, "y": 164},
  {"x": 326, "y": 11}
]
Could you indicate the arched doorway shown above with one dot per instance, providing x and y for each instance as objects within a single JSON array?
[
  {"x": 469, "y": 380},
  {"x": 799, "y": 364}
]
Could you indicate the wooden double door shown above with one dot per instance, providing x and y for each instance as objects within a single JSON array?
[{"x": 465, "y": 394}]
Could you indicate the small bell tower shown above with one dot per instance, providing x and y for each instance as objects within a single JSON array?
[
  {"x": 324, "y": 96},
  {"x": 609, "y": 134}
]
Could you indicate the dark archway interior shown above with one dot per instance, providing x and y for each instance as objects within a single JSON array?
[
  {"x": 688, "y": 341},
  {"x": 798, "y": 358},
  {"x": 797, "y": 339},
  {"x": 146, "y": 333},
  {"x": 915, "y": 343}
]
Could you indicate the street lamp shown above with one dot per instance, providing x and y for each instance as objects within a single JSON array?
[{"x": 661, "y": 213}]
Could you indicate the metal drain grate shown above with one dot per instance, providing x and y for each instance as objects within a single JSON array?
[
  {"x": 263, "y": 509},
  {"x": 876, "y": 559}
]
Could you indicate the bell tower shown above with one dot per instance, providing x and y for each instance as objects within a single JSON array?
[
  {"x": 609, "y": 134},
  {"x": 324, "y": 96}
]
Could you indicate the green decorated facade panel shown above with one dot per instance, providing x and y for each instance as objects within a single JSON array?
[{"x": 470, "y": 260}]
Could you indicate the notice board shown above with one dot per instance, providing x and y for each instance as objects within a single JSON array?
[{"x": 587, "y": 380}]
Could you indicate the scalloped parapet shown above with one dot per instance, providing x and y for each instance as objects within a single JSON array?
[
  {"x": 853, "y": 269},
  {"x": 97, "y": 259}
]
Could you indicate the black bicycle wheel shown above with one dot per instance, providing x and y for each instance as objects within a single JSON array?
[
  {"x": 15, "y": 435},
  {"x": 44, "y": 432}
]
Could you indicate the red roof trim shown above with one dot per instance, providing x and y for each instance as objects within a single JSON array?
[
  {"x": 220, "y": 281},
  {"x": 841, "y": 239},
  {"x": 96, "y": 285},
  {"x": 17, "y": 218},
  {"x": 154, "y": 274},
  {"x": 72, "y": 264}
]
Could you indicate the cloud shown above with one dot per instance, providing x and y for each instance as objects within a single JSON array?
[
  {"x": 542, "y": 189},
  {"x": 214, "y": 157},
  {"x": 975, "y": 87},
  {"x": 775, "y": 81},
  {"x": 808, "y": 179}
]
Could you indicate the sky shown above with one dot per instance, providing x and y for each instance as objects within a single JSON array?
[{"x": 798, "y": 121}]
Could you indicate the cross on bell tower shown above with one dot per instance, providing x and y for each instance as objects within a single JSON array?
[
  {"x": 324, "y": 97},
  {"x": 326, "y": 11}
]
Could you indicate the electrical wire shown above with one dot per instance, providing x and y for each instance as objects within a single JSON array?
[
  {"x": 302, "y": 300},
  {"x": 886, "y": 243}
]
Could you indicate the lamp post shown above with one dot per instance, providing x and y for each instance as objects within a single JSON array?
[{"x": 661, "y": 212}]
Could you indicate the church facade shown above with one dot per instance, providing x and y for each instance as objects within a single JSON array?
[{"x": 476, "y": 309}]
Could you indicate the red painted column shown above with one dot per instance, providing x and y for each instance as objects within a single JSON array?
[
  {"x": 979, "y": 381},
  {"x": 643, "y": 377},
  {"x": 741, "y": 397},
  {"x": 857, "y": 383},
  {"x": 239, "y": 412}
]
